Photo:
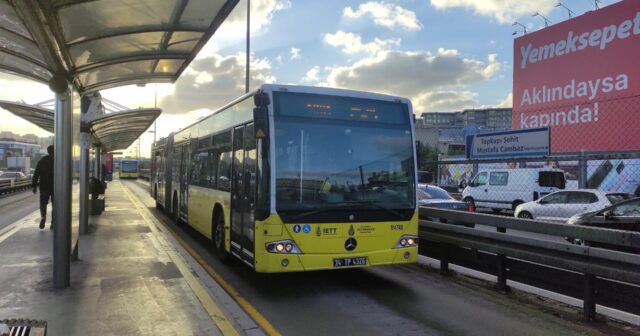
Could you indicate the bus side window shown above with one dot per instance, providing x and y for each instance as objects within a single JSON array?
[
  {"x": 224, "y": 171},
  {"x": 222, "y": 143},
  {"x": 203, "y": 173},
  {"x": 214, "y": 161},
  {"x": 195, "y": 170}
]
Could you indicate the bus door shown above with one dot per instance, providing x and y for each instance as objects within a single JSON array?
[
  {"x": 243, "y": 192},
  {"x": 249, "y": 197},
  {"x": 184, "y": 182}
]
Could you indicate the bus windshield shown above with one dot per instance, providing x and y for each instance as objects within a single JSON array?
[
  {"x": 128, "y": 166},
  {"x": 326, "y": 157}
]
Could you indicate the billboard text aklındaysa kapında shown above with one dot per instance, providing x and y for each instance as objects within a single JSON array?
[{"x": 581, "y": 78}]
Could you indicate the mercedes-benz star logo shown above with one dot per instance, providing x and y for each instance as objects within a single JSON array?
[{"x": 350, "y": 244}]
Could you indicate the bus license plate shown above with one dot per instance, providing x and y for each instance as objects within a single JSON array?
[{"x": 346, "y": 262}]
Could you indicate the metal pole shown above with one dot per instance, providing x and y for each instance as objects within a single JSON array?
[
  {"x": 589, "y": 300},
  {"x": 96, "y": 162},
  {"x": 155, "y": 105},
  {"x": 502, "y": 267},
  {"x": 246, "y": 80},
  {"x": 62, "y": 182},
  {"x": 444, "y": 258},
  {"x": 84, "y": 182},
  {"x": 582, "y": 182}
]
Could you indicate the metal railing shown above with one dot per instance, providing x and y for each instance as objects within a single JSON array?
[
  {"x": 9, "y": 186},
  {"x": 609, "y": 277}
]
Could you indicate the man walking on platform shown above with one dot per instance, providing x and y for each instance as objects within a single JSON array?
[{"x": 43, "y": 176}]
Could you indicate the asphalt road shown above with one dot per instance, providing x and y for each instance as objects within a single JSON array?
[
  {"x": 16, "y": 206},
  {"x": 406, "y": 300}
]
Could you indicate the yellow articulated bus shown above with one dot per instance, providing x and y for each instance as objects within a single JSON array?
[
  {"x": 294, "y": 178},
  {"x": 128, "y": 169}
]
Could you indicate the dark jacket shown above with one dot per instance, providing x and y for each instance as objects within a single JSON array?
[{"x": 43, "y": 175}]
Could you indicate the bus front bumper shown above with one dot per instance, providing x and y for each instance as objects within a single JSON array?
[{"x": 277, "y": 263}]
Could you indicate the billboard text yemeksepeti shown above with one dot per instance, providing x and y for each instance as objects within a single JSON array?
[{"x": 581, "y": 78}]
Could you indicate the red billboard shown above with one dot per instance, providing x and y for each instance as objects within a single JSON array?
[
  {"x": 108, "y": 163},
  {"x": 581, "y": 78}
]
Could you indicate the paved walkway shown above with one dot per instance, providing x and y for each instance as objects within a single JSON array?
[{"x": 131, "y": 279}]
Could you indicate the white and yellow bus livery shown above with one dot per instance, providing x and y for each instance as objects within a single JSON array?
[{"x": 293, "y": 178}]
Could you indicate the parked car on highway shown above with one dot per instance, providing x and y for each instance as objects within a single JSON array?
[
  {"x": 621, "y": 216},
  {"x": 558, "y": 206},
  {"x": 436, "y": 197},
  {"x": 505, "y": 189},
  {"x": 11, "y": 176}
]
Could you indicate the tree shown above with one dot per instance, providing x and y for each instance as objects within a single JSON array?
[{"x": 427, "y": 158}]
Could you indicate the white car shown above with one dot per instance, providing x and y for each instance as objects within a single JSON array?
[
  {"x": 505, "y": 189},
  {"x": 12, "y": 176},
  {"x": 558, "y": 206}
]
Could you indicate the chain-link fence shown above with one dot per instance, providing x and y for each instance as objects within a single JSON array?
[{"x": 594, "y": 164}]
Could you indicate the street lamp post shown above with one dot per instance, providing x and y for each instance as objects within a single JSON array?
[
  {"x": 524, "y": 28},
  {"x": 546, "y": 21},
  {"x": 569, "y": 11},
  {"x": 246, "y": 80}
]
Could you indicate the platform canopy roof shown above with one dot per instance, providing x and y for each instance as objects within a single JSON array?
[
  {"x": 120, "y": 129},
  {"x": 116, "y": 130},
  {"x": 99, "y": 44},
  {"x": 38, "y": 115}
]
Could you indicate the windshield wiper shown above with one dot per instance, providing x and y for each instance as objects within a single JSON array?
[
  {"x": 346, "y": 206},
  {"x": 379, "y": 206},
  {"x": 317, "y": 211}
]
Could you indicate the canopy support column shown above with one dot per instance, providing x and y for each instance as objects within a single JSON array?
[
  {"x": 62, "y": 169},
  {"x": 85, "y": 142},
  {"x": 97, "y": 169}
]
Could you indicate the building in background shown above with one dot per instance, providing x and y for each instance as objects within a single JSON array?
[
  {"x": 488, "y": 118},
  {"x": 12, "y": 148},
  {"x": 447, "y": 131}
]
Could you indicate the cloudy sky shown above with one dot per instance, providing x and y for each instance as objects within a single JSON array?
[{"x": 445, "y": 55}]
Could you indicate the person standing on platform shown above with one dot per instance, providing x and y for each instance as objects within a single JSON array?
[{"x": 43, "y": 177}]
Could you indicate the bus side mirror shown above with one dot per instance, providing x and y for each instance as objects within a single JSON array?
[{"x": 261, "y": 122}]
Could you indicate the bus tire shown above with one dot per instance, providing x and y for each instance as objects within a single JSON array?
[{"x": 218, "y": 237}]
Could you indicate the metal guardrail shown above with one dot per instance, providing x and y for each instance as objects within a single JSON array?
[
  {"x": 9, "y": 186},
  {"x": 589, "y": 273}
]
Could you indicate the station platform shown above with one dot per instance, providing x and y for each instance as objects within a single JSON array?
[{"x": 131, "y": 278}]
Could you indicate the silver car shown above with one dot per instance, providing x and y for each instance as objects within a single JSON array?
[
  {"x": 12, "y": 176},
  {"x": 558, "y": 206}
]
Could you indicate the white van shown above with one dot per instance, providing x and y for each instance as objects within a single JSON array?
[{"x": 500, "y": 189}]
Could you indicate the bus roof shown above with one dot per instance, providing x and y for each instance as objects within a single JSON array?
[
  {"x": 332, "y": 91},
  {"x": 303, "y": 89}
]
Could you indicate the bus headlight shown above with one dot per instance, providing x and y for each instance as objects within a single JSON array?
[
  {"x": 283, "y": 246},
  {"x": 407, "y": 241}
]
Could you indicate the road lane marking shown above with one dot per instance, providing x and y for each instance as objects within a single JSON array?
[
  {"x": 215, "y": 313},
  {"x": 207, "y": 302},
  {"x": 252, "y": 311},
  {"x": 11, "y": 229}
]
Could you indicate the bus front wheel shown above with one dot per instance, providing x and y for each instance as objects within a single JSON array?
[{"x": 219, "y": 239}]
